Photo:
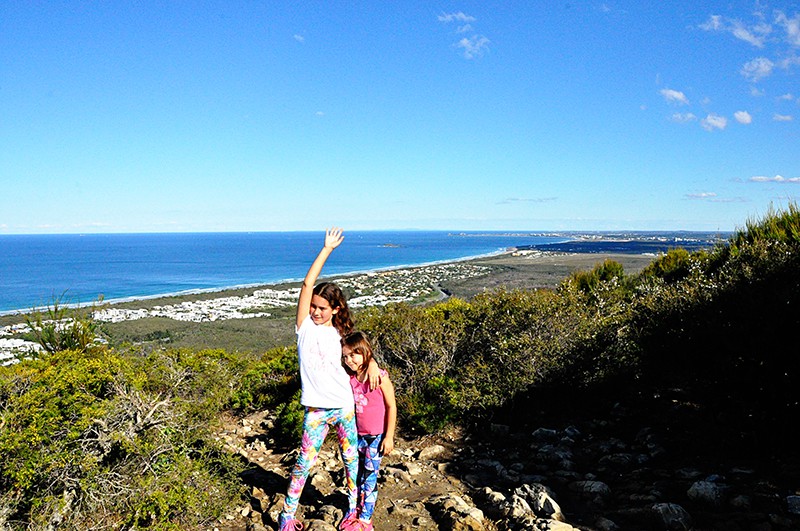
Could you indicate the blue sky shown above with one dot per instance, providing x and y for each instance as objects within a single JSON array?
[{"x": 248, "y": 116}]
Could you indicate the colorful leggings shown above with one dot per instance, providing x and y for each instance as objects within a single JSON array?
[
  {"x": 316, "y": 423},
  {"x": 369, "y": 461}
]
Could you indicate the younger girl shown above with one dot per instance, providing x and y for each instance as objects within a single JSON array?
[
  {"x": 376, "y": 419},
  {"x": 323, "y": 318}
]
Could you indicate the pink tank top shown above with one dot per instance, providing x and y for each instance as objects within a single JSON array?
[{"x": 370, "y": 407}]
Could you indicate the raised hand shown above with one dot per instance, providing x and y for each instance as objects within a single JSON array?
[{"x": 333, "y": 237}]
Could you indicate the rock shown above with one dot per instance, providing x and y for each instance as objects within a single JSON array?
[
  {"x": 707, "y": 492},
  {"x": 397, "y": 474},
  {"x": 793, "y": 504},
  {"x": 673, "y": 517},
  {"x": 742, "y": 502},
  {"x": 604, "y": 524},
  {"x": 544, "y": 524},
  {"x": 318, "y": 525},
  {"x": 621, "y": 460},
  {"x": 517, "y": 507},
  {"x": 687, "y": 473},
  {"x": 540, "y": 500},
  {"x": 274, "y": 510},
  {"x": 492, "y": 501},
  {"x": 544, "y": 435},
  {"x": 467, "y": 523},
  {"x": 455, "y": 514},
  {"x": 414, "y": 469},
  {"x": 595, "y": 491},
  {"x": 499, "y": 430},
  {"x": 329, "y": 514},
  {"x": 430, "y": 452},
  {"x": 322, "y": 481}
]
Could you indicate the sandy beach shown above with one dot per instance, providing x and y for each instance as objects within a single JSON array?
[{"x": 260, "y": 317}]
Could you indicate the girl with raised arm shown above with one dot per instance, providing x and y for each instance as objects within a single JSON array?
[{"x": 323, "y": 318}]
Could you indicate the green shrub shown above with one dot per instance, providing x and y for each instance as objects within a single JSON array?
[
  {"x": 289, "y": 419},
  {"x": 60, "y": 328},
  {"x": 272, "y": 380},
  {"x": 432, "y": 408},
  {"x": 103, "y": 438},
  {"x": 672, "y": 266}
]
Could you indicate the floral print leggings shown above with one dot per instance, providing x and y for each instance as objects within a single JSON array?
[
  {"x": 369, "y": 461},
  {"x": 316, "y": 423}
]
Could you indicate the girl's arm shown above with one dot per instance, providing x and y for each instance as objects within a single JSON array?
[
  {"x": 373, "y": 374},
  {"x": 333, "y": 237},
  {"x": 387, "y": 445}
]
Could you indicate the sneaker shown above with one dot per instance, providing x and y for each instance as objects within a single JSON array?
[
  {"x": 365, "y": 526},
  {"x": 350, "y": 521},
  {"x": 290, "y": 524}
]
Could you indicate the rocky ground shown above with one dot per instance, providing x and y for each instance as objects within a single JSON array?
[{"x": 656, "y": 464}]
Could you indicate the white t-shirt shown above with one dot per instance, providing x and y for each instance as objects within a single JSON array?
[{"x": 323, "y": 380}]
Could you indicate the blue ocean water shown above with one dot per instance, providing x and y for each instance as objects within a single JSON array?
[{"x": 37, "y": 269}]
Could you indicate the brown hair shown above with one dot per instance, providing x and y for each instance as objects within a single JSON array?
[
  {"x": 358, "y": 343},
  {"x": 333, "y": 294}
]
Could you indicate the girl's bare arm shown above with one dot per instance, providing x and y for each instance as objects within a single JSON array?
[
  {"x": 333, "y": 237},
  {"x": 391, "y": 415}
]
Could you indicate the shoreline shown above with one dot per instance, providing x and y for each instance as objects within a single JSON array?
[
  {"x": 581, "y": 242},
  {"x": 253, "y": 285},
  {"x": 512, "y": 258},
  {"x": 256, "y": 318}
]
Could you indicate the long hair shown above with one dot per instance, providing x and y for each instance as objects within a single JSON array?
[
  {"x": 358, "y": 343},
  {"x": 333, "y": 294}
]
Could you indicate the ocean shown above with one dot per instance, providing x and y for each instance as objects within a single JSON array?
[{"x": 37, "y": 269}]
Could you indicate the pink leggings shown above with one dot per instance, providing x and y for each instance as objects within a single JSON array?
[{"x": 316, "y": 423}]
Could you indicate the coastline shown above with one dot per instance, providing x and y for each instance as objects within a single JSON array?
[
  {"x": 222, "y": 290},
  {"x": 258, "y": 317},
  {"x": 134, "y": 267}
]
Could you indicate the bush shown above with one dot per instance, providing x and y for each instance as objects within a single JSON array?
[
  {"x": 60, "y": 328},
  {"x": 272, "y": 380},
  {"x": 104, "y": 438}
]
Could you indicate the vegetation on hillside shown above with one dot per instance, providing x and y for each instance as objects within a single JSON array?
[
  {"x": 101, "y": 439},
  {"x": 94, "y": 437},
  {"x": 714, "y": 324}
]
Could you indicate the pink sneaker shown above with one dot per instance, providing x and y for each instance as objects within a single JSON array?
[
  {"x": 350, "y": 521},
  {"x": 365, "y": 526},
  {"x": 290, "y": 524}
]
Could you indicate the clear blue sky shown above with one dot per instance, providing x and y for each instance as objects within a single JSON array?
[{"x": 162, "y": 116}]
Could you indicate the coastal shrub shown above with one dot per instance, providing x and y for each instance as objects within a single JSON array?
[
  {"x": 417, "y": 342},
  {"x": 433, "y": 407},
  {"x": 272, "y": 380},
  {"x": 780, "y": 226},
  {"x": 672, "y": 266},
  {"x": 47, "y": 405},
  {"x": 500, "y": 353},
  {"x": 677, "y": 323},
  {"x": 720, "y": 332},
  {"x": 61, "y": 328},
  {"x": 588, "y": 281},
  {"x": 457, "y": 359},
  {"x": 111, "y": 438},
  {"x": 289, "y": 419},
  {"x": 419, "y": 346}
]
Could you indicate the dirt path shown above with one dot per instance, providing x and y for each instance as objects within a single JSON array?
[{"x": 408, "y": 481}]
